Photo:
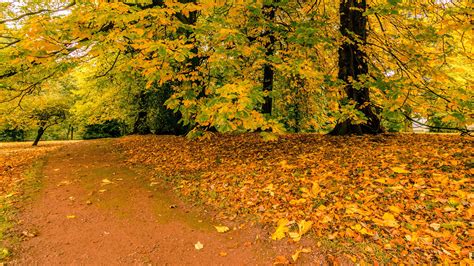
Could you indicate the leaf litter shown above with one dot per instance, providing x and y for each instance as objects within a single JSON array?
[{"x": 389, "y": 191}]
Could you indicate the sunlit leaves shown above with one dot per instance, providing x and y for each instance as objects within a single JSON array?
[
  {"x": 347, "y": 190},
  {"x": 221, "y": 228}
]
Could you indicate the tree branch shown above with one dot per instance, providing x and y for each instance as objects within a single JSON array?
[
  {"x": 73, "y": 2},
  {"x": 464, "y": 131},
  {"x": 110, "y": 68}
]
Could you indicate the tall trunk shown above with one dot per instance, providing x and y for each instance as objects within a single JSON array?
[
  {"x": 141, "y": 126},
  {"x": 40, "y": 133},
  {"x": 268, "y": 72},
  {"x": 352, "y": 65}
]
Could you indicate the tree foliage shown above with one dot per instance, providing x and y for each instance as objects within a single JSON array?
[{"x": 269, "y": 66}]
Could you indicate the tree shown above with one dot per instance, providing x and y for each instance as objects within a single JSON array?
[
  {"x": 353, "y": 67},
  {"x": 226, "y": 67},
  {"x": 47, "y": 117}
]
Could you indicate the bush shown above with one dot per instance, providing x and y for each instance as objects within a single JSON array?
[
  {"x": 12, "y": 135},
  {"x": 108, "y": 129}
]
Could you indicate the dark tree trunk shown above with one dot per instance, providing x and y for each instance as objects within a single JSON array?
[
  {"x": 352, "y": 65},
  {"x": 268, "y": 72},
  {"x": 166, "y": 121},
  {"x": 40, "y": 133},
  {"x": 72, "y": 132},
  {"x": 141, "y": 126}
]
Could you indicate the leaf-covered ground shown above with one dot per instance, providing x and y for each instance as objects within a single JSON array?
[
  {"x": 15, "y": 159},
  {"x": 404, "y": 198},
  {"x": 16, "y": 156}
]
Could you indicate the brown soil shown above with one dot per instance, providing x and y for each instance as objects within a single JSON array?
[{"x": 77, "y": 218}]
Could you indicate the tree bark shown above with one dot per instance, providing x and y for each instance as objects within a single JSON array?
[
  {"x": 268, "y": 72},
  {"x": 352, "y": 65},
  {"x": 40, "y": 133}
]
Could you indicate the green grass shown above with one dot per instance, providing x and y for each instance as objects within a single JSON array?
[{"x": 26, "y": 190}]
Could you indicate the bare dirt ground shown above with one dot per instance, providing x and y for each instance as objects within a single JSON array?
[{"x": 93, "y": 209}]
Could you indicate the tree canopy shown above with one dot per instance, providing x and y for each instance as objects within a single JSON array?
[{"x": 271, "y": 66}]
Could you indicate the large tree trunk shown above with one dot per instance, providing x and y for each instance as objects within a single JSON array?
[
  {"x": 352, "y": 65},
  {"x": 40, "y": 133},
  {"x": 268, "y": 72}
]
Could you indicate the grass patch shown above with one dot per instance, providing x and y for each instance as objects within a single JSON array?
[{"x": 25, "y": 190}]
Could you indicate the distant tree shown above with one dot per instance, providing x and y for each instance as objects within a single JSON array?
[{"x": 47, "y": 117}]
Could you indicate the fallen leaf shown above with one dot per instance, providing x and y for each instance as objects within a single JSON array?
[
  {"x": 28, "y": 234},
  {"x": 282, "y": 228},
  {"x": 221, "y": 228},
  {"x": 315, "y": 189},
  {"x": 400, "y": 170},
  {"x": 106, "y": 182},
  {"x": 298, "y": 252},
  {"x": 304, "y": 226},
  {"x": 71, "y": 216},
  {"x": 435, "y": 226},
  {"x": 394, "y": 209},
  {"x": 389, "y": 220},
  {"x": 223, "y": 254},
  {"x": 198, "y": 246}
]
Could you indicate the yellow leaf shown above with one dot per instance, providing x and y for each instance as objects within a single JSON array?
[
  {"x": 360, "y": 229},
  {"x": 71, "y": 216},
  {"x": 304, "y": 226},
  {"x": 106, "y": 182},
  {"x": 295, "y": 236},
  {"x": 297, "y": 202},
  {"x": 395, "y": 209},
  {"x": 381, "y": 180},
  {"x": 281, "y": 229},
  {"x": 400, "y": 170},
  {"x": 389, "y": 220},
  {"x": 221, "y": 228},
  {"x": 298, "y": 252},
  {"x": 198, "y": 245},
  {"x": 315, "y": 189}
]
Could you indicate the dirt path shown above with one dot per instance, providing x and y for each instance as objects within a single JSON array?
[{"x": 79, "y": 217}]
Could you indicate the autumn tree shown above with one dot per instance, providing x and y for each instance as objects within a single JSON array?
[
  {"x": 227, "y": 66},
  {"x": 47, "y": 117},
  {"x": 353, "y": 66}
]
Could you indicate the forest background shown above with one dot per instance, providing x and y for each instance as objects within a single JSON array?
[{"x": 109, "y": 68}]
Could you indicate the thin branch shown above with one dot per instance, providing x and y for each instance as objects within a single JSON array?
[
  {"x": 73, "y": 2},
  {"x": 110, "y": 68},
  {"x": 8, "y": 44},
  {"x": 464, "y": 131}
]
